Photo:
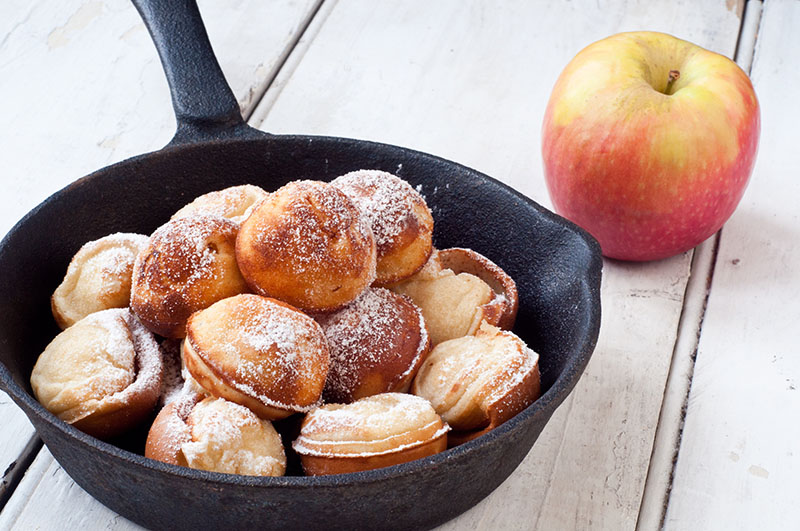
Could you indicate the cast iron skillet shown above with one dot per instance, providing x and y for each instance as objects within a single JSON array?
[{"x": 556, "y": 265}]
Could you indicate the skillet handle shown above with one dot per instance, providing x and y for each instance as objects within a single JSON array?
[{"x": 204, "y": 104}]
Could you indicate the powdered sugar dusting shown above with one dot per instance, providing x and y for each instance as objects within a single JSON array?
[
  {"x": 319, "y": 229},
  {"x": 123, "y": 335},
  {"x": 371, "y": 334},
  {"x": 474, "y": 372},
  {"x": 187, "y": 240},
  {"x": 176, "y": 432},
  {"x": 388, "y": 413},
  {"x": 327, "y": 448},
  {"x": 372, "y": 424},
  {"x": 385, "y": 200},
  {"x": 149, "y": 363},
  {"x": 271, "y": 351},
  {"x": 172, "y": 381},
  {"x": 117, "y": 239},
  {"x": 116, "y": 253},
  {"x": 188, "y": 264},
  {"x": 515, "y": 371},
  {"x": 228, "y": 437},
  {"x": 235, "y": 203},
  {"x": 116, "y": 340},
  {"x": 276, "y": 329},
  {"x": 502, "y": 364}
]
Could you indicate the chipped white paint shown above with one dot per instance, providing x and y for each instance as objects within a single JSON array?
[
  {"x": 76, "y": 23},
  {"x": 739, "y": 460},
  {"x": 15, "y": 435}
]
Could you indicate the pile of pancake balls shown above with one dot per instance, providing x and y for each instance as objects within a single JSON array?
[{"x": 324, "y": 304}]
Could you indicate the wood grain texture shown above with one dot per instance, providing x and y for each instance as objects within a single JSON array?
[
  {"x": 15, "y": 436},
  {"x": 467, "y": 80},
  {"x": 48, "y": 499},
  {"x": 463, "y": 80},
  {"x": 81, "y": 88},
  {"x": 673, "y": 408},
  {"x": 739, "y": 462}
]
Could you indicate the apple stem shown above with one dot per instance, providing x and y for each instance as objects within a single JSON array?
[{"x": 674, "y": 75}]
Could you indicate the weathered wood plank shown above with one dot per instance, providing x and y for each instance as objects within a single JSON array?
[
  {"x": 82, "y": 88},
  {"x": 470, "y": 82},
  {"x": 739, "y": 464},
  {"x": 16, "y": 441},
  {"x": 673, "y": 408},
  {"x": 66, "y": 505}
]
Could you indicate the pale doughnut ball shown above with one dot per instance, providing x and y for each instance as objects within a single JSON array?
[
  {"x": 98, "y": 278},
  {"x": 216, "y": 435},
  {"x": 227, "y": 437},
  {"x": 399, "y": 218},
  {"x": 452, "y": 304},
  {"x": 102, "y": 375},
  {"x": 235, "y": 203}
]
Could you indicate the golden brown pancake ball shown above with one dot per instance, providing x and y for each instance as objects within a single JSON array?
[
  {"x": 399, "y": 218},
  {"x": 308, "y": 245},
  {"x": 258, "y": 352},
  {"x": 373, "y": 432},
  {"x": 189, "y": 264},
  {"x": 98, "y": 278},
  {"x": 377, "y": 343}
]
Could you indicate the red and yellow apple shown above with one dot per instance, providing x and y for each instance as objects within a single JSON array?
[{"x": 648, "y": 143}]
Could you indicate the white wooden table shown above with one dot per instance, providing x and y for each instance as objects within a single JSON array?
[{"x": 688, "y": 415}]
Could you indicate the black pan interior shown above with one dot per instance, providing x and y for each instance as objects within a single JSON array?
[{"x": 556, "y": 266}]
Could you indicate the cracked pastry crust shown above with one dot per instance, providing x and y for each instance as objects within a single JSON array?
[
  {"x": 457, "y": 290},
  {"x": 258, "y": 352},
  {"x": 102, "y": 374},
  {"x": 216, "y": 435},
  {"x": 501, "y": 310},
  {"x": 373, "y": 432}
]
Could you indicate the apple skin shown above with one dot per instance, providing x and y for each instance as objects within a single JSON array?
[{"x": 649, "y": 174}]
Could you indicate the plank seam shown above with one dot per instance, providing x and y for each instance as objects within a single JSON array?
[
  {"x": 17, "y": 469},
  {"x": 561, "y": 442},
  {"x": 709, "y": 274},
  {"x": 679, "y": 380},
  {"x": 261, "y": 91},
  {"x": 745, "y": 55},
  {"x": 283, "y": 74}
]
